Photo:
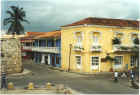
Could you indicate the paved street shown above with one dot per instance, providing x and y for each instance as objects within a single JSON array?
[{"x": 83, "y": 83}]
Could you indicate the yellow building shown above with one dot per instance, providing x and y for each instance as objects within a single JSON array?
[{"x": 99, "y": 45}]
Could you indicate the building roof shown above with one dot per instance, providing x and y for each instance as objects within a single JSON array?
[
  {"x": 37, "y": 35},
  {"x": 106, "y": 22},
  {"x": 52, "y": 34}
]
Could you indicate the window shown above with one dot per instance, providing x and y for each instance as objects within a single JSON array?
[
  {"x": 119, "y": 35},
  {"x": 78, "y": 60},
  {"x": 95, "y": 39},
  {"x": 95, "y": 36},
  {"x": 94, "y": 61},
  {"x": 118, "y": 38},
  {"x": 118, "y": 60},
  {"x": 134, "y": 38},
  {"x": 78, "y": 36},
  {"x": 133, "y": 61}
]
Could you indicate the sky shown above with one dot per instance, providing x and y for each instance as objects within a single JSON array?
[{"x": 49, "y": 15}]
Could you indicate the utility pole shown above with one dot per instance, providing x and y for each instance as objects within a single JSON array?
[{"x": 70, "y": 45}]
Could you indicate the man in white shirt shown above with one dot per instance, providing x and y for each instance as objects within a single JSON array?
[{"x": 116, "y": 76}]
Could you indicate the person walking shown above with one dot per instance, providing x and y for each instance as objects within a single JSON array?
[
  {"x": 132, "y": 75},
  {"x": 115, "y": 76},
  {"x": 3, "y": 80}
]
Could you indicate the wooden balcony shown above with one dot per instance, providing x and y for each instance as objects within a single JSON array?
[{"x": 43, "y": 49}]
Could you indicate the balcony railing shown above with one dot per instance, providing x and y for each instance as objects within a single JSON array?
[
  {"x": 135, "y": 45},
  {"x": 96, "y": 48},
  {"x": 135, "y": 48},
  {"x": 43, "y": 49},
  {"x": 121, "y": 48},
  {"x": 78, "y": 47}
]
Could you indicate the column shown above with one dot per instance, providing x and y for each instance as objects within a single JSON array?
[
  {"x": 38, "y": 43},
  {"x": 46, "y": 43},
  {"x": 55, "y": 60},
  {"x": 34, "y": 57},
  {"x": 49, "y": 59},
  {"x": 43, "y": 59}
]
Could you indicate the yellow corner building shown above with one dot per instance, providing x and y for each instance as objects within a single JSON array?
[{"x": 100, "y": 45}]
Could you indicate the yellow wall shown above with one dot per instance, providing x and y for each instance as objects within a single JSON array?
[{"x": 107, "y": 34}]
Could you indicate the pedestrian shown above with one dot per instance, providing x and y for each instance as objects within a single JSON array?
[
  {"x": 131, "y": 75},
  {"x": 123, "y": 75},
  {"x": 115, "y": 76},
  {"x": 3, "y": 80}
]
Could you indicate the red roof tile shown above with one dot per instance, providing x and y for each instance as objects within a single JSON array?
[
  {"x": 37, "y": 35},
  {"x": 106, "y": 22},
  {"x": 52, "y": 34}
]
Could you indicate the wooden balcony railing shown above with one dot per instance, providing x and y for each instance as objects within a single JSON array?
[{"x": 43, "y": 49}]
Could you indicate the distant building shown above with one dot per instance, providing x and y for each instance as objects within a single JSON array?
[
  {"x": 42, "y": 47},
  {"x": 100, "y": 45},
  {"x": 88, "y": 45}
]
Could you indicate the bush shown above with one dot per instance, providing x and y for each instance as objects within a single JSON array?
[
  {"x": 136, "y": 41},
  {"x": 116, "y": 41}
]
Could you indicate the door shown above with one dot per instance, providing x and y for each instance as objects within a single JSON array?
[
  {"x": 118, "y": 62},
  {"x": 53, "y": 60},
  {"x": 46, "y": 60},
  {"x": 57, "y": 61},
  {"x": 95, "y": 63},
  {"x": 78, "y": 62}
]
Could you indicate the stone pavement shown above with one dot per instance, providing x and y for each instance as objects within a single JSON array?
[{"x": 82, "y": 83}]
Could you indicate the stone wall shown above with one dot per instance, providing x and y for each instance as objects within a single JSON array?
[{"x": 11, "y": 55}]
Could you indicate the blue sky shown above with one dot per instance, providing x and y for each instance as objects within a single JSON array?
[{"x": 48, "y": 15}]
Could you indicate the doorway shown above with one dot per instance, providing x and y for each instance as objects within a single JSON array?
[
  {"x": 53, "y": 60},
  {"x": 95, "y": 63},
  {"x": 46, "y": 60}
]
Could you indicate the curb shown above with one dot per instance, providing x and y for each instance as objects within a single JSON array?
[
  {"x": 25, "y": 72},
  {"x": 56, "y": 89},
  {"x": 55, "y": 68},
  {"x": 81, "y": 73},
  {"x": 94, "y": 73}
]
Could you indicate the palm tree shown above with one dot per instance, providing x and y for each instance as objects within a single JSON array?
[{"x": 17, "y": 15}]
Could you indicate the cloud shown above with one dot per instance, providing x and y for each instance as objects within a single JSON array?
[{"x": 48, "y": 15}]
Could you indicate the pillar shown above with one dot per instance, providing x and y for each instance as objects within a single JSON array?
[
  {"x": 43, "y": 59},
  {"x": 55, "y": 59},
  {"x": 49, "y": 59}
]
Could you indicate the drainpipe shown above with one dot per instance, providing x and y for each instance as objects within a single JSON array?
[{"x": 70, "y": 45}]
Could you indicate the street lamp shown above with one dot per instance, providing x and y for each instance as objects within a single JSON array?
[
  {"x": 70, "y": 45},
  {"x": 3, "y": 73}
]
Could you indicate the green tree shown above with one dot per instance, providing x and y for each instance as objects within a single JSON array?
[{"x": 17, "y": 15}]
